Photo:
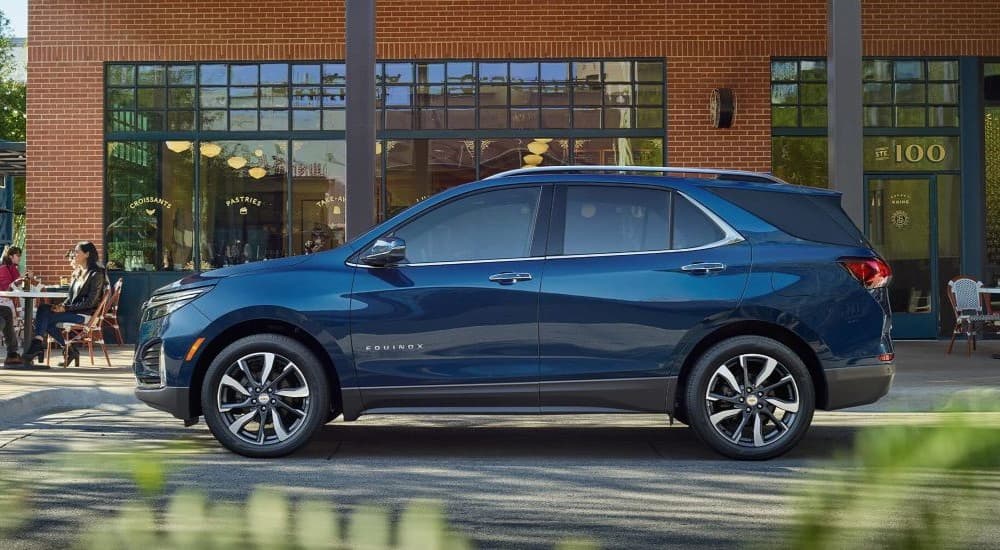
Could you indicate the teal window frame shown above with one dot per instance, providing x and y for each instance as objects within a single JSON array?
[{"x": 139, "y": 124}]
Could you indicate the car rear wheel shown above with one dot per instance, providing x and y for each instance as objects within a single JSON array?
[
  {"x": 750, "y": 398},
  {"x": 265, "y": 395}
]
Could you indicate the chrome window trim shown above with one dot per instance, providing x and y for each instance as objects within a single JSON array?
[
  {"x": 730, "y": 236},
  {"x": 456, "y": 262}
]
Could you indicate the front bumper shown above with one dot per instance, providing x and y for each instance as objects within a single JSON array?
[
  {"x": 171, "y": 399},
  {"x": 858, "y": 385}
]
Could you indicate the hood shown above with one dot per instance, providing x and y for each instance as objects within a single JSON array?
[{"x": 212, "y": 277}]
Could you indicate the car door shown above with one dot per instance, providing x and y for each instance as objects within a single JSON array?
[
  {"x": 455, "y": 326},
  {"x": 630, "y": 271}
]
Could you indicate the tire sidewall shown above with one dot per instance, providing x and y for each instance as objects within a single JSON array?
[
  {"x": 308, "y": 365},
  {"x": 697, "y": 386}
]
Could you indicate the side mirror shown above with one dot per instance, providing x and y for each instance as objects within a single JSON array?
[{"x": 387, "y": 251}]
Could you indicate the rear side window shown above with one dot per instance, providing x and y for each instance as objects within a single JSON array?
[
  {"x": 810, "y": 217},
  {"x": 616, "y": 219}
]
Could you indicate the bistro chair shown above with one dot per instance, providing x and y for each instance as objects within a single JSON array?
[
  {"x": 966, "y": 300},
  {"x": 111, "y": 315},
  {"x": 89, "y": 332}
]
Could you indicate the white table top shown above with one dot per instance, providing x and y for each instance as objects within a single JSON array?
[
  {"x": 989, "y": 290},
  {"x": 34, "y": 294}
]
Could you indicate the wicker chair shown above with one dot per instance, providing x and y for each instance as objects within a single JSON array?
[
  {"x": 111, "y": 315},
  {"x": 966, "y": 300},
  {"x": 89, "y": 332}
]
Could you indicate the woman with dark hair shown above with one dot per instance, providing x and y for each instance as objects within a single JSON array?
[
  {"x": 10, "y": 276},
  {"x": 85, "y": 294}
]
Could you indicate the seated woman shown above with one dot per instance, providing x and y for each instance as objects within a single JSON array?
[
  {"x": 85, "y": 294},
  {"x": 10, "y": 278}
]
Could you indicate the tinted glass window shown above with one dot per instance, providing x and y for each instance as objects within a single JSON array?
[
  {"x": 485, "y": 226},
  {"x": 811, "y": 217},
  {"x": 692, "y": 228},
  {"x": 616, "y": 219}
]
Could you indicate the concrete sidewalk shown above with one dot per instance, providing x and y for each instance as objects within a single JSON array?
[{"x": 926, "y": 378}]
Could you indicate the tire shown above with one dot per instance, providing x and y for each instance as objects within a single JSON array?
[
  {"x": 294, "y": 398},
  {"x": 756, "y": 425}
]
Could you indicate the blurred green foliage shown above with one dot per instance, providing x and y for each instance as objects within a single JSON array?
[
  {"x": 270, "y": 521},
  {"x": 914, "y": 487}
]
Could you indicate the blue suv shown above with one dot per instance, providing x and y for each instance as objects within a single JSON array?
[{"x": 730, "y": 300}]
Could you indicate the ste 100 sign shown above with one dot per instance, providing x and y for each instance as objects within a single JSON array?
[{"x": 911, "y": 154}]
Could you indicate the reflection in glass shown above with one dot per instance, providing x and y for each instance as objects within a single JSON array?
[
  {"x": 900, "y": 230},
  {"x": 243, "y": 210},
  {"x": 801, "y": 160},
  {"x": 420, "y": 168},
  {"x": 149, "y": 196},
  {"x": 319, "y": 194}
]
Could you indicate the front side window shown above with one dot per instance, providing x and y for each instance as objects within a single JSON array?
[
  {"x": 493, "y": 225},
  {"x": 603, "y": 220}
]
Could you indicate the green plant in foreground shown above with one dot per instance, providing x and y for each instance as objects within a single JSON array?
[
  {"x": 270, "y": 521},
  {"x": 912, "y": 487}
]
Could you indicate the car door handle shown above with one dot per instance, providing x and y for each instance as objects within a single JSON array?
[
  {"x": 508, "y": 278},
  {"x": 703, "y": 268}
]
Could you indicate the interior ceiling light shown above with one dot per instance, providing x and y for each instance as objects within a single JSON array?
[
  {"x": 257, "y": 172},
  {"x": 236, "y": 162},
  {"x": 538, "y": 147},
  {"x": 178, "y": 146},
  {"x": 210, "y": 149},
  {"x": 532, "y": 160},
  {"x": 258, "y": 152}
]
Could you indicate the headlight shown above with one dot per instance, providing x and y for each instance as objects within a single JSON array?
[{"x": 165, "y": 304}]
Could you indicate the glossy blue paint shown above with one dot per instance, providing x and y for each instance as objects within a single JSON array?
[
  {"x": 435, "y": 336},
  {"x": 622, "y": 316}
]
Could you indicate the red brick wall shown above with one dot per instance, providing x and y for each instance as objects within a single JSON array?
[{"x": 707, "y": 44}]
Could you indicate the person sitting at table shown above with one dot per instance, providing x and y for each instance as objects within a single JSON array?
[
  {"x": 10, "y": 277},
  {"x": 84, "y": 295}
]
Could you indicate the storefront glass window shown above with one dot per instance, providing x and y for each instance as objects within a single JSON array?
[
  {"x": 149, "y": 205},
  {"x": 259, "y": 115},
  {"x": 319, "y": 195},
  {"x": 801, "y": 160},
  {"x": 243, "y": 201}
]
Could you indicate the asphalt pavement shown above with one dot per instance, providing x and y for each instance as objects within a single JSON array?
[{"x": 623, "y": 481}]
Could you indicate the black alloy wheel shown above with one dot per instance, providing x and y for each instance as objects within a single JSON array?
[
  {"x": 265, "y": 395},
  {"x": 750, "y": 398}
]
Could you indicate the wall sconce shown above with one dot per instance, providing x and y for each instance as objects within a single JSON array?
[
  {"x": 257, "y": 172},
  {"x": 236, "y": 162},
  {"x": 722, "y": 108},
  {"x": 178, "y": 146},
  {"x": 210, "y": 150},
  {"x": 336, "y": 210}
]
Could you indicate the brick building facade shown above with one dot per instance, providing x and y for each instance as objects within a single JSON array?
[{"x": 704, "y": 45}]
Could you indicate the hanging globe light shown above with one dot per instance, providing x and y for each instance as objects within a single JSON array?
[
  {"x": 236, "y": 162},
  {"x": 257, "y": 172},
  {"x": 210, "y": 150},
  {"x": 178, "y": 146}
]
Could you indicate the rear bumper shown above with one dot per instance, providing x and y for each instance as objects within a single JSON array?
[
  {"x": 857, "y": 385},
  {"x": 171, "y": 399}
]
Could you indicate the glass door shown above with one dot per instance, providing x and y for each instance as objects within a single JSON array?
[{"x": 902, "y": 226}]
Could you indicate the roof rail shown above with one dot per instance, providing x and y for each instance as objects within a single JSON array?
[{"x": 755, "y": 176}]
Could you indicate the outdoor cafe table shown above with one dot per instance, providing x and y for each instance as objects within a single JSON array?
[{"x": 29, "y": 302}]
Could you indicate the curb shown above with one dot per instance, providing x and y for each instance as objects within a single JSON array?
[{"x": 38, "y": 403}]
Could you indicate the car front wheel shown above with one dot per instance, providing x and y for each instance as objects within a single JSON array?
[
  {"x": 750, "y": 398},
  {"x": 265, "y": 395}
]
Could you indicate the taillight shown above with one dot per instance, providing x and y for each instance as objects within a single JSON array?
[{"x": 870, "y": 272}]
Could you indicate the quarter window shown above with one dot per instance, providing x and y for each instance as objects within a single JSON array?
[
  {"x": 692, "y": 228},
  {"x": 608, "y": 220},
  {"x": 494, "y": 225}
]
